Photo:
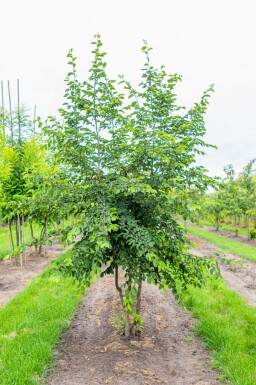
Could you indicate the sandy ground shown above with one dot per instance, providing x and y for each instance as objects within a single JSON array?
[
  {"x": 240, "y": 278},
  {"x": 14, "y": 278},
  {"x": 92, "y": 352}
]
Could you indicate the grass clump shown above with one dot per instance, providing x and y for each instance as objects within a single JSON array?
[
  {"x": 30, "y": 326},
  {"x": 234, "y": 247},
  {"x": 227, "y": 324}
]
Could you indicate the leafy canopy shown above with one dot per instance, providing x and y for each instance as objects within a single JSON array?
[{"x": 130, "y": 153}]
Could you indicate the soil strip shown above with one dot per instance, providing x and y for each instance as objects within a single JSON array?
[
  {"x": 92, "y": 352},
  {"x": 14, "y": 278}
]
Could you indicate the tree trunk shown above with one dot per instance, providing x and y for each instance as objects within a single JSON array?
[
  {"x": 236, "y": 228},
  {"x": 10, "y": 235},
  {"x": 138, "y": 301},
  {"x": 18, "y": 235},
  {"x": 43, "y": 232},
  {"x": 127, "y": 325},
  {"x": 249, "y": 230},
  {"x": 32, "y": 236}
]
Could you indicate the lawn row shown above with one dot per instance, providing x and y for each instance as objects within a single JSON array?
[
  {"x": 31, "y": 324},
  {"x": 223, "y": 226},
  {"x": 234, "y": 247}
]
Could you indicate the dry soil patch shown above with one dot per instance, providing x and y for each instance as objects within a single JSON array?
[
  {"x": 14, "y": 278},
  {"x": 92, "y": 352}
]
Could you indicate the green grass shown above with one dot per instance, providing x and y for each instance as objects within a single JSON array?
[
  {"x": 4, "y": 239},
  {"x": 227, "y": 324},
  {"x": 231, "y": 228},
  {"x": 30, "y": 326},
  {"x": 4, "y": 242},
  {"x": 234, "y": 247}
]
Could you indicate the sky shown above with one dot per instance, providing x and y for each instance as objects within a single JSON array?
[{"x": 205, "y": 41}]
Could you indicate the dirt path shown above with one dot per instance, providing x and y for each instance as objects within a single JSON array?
[
  {"x": 14, "y": 278},
  {"x": 241, "y": 278},
  {"x": 91, "y": 351}
]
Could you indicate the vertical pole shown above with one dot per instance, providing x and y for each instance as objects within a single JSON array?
[
  {"x": 18, "y": 95},
  {"x": 10, "y": 109},
  {"x": 34, "y": 118},
  {"x": 2, "y": 92}
]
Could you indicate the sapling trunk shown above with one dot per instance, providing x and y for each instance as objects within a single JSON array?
[
  {"x": 127, "y": 329},
  {"x": 32, "y": 236},
  {"x": 217, "y": 224},
  {"x": 19, "y": 238},
  {"x": 127, "y": 325},
  {"x": 249, "y": 229},
  {"x": 118, "y": 288},
  {"x": 10, "y": 235},
  {"x": 138, "y": 299},
  {"x": 43, "y": 232},
  {"x": 236, "y": 227}
]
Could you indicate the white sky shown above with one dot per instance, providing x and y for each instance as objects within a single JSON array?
[{"x": 206, "y": 41}]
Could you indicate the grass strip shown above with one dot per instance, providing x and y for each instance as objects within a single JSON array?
[
  {"x": 30, "y": 326},
  {"x": 227, "y": 325},
  {"x": 234, "y": 247},
  {"x": 4, "y": 238},
  {"x": 223, "y": 226}
]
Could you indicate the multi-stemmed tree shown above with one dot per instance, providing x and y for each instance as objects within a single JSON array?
[{"x": 131, "y": 154}]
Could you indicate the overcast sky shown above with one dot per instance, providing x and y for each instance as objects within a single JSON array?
[{"x": 206, "y": 41}]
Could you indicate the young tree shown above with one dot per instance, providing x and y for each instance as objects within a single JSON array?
[
  {"x": 232, "y": 196},
  {"x": 132, "y": 155},
  {"x": 247, "y": 182}
]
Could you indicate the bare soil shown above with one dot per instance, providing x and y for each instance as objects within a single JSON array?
[
  {"x": 92, "y": 352},
  {"x": 241, "y": 278},
  {"x": 14, "y": 278}
]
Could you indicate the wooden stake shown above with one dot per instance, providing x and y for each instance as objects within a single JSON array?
[
  {"x": 18, "y": 94},
  {"x": 10, "y": 109},
  {"x": 34, "y": 118},
  {"x": 2, "y": 92}
]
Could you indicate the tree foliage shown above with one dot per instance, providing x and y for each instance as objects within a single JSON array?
[{"x": 130, "y": 153}]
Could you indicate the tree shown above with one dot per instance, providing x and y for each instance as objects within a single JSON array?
[
  {"x": 131, "y": 153},
  {"x": 25, "y": 176},
  {"x": 232, "y": 196},
  {"x": 247, "y": 182}
]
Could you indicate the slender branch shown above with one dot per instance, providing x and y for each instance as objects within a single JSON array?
[{"x": 118, "y": 288}]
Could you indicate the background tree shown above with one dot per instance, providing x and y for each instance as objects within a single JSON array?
[{"x": 248, "y": 184}]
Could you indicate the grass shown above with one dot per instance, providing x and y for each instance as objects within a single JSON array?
[
  {"x": 30, "y": 326},
  {"x": 31, "y": 323},
  {"x": 4, "y": 242},
  {"x": 4, "y": 239},
  {"x": 234, "y": 247},
  {"x": 227, "y": 325},
  {"x": 231, "y": 228}
]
